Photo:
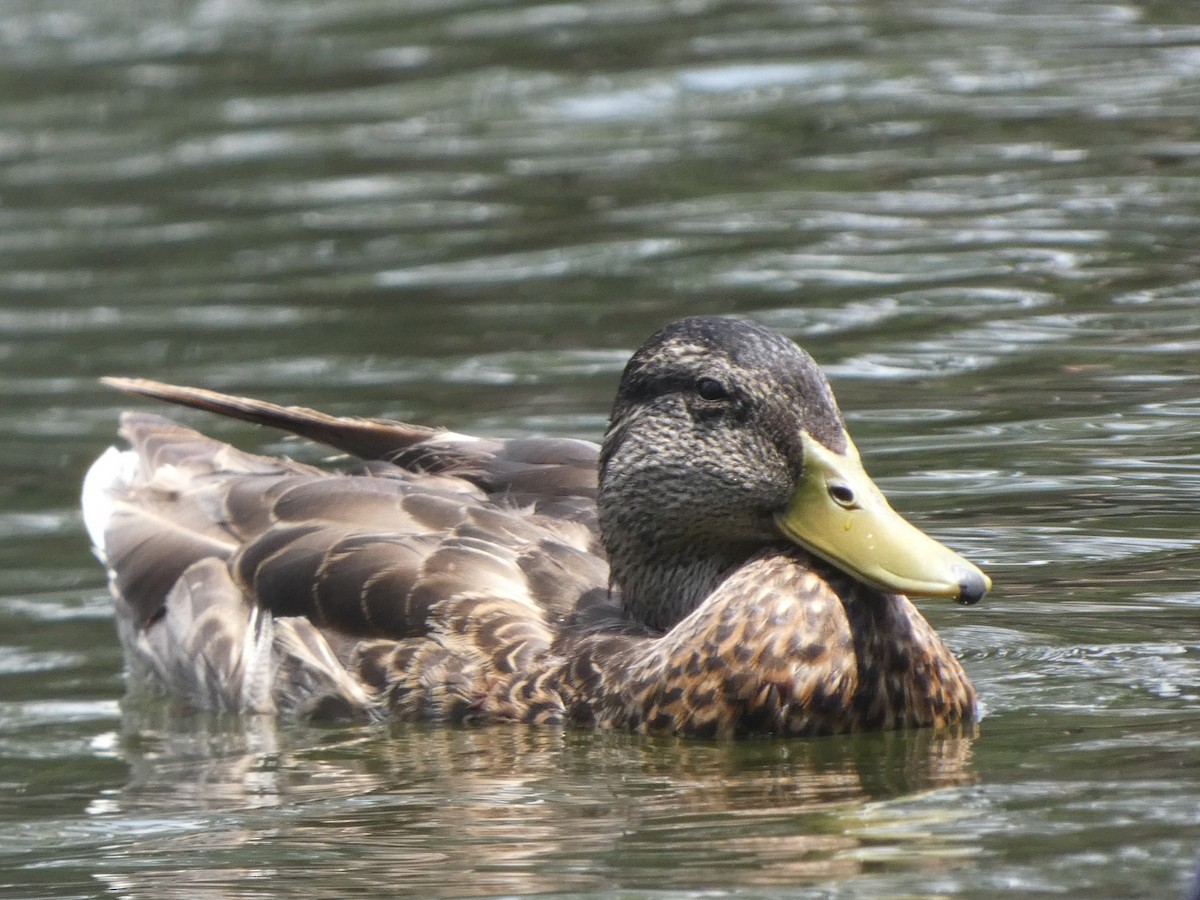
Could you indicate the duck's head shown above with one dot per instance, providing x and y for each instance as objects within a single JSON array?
[{"x": 725, "y": 438}]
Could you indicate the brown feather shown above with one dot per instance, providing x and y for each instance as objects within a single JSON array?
[
  {"x": 368, "y": 438},
  {"x": 816, "y": 654}
]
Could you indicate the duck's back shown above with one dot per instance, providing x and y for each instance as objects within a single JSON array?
[{"x": 246, "y": 582}]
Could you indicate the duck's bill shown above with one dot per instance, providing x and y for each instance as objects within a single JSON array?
[{"x": 839, "y": 514}]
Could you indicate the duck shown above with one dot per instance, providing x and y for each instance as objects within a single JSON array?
[{"x": 719, "y": 566}]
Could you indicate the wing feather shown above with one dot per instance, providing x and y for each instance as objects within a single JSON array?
[{"x": 423, "y": 588}]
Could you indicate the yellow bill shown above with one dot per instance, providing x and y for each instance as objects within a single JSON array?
[{"x": 839, "y": 514}]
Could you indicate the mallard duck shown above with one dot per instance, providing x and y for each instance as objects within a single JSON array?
[{"x": 721, "y": 565}]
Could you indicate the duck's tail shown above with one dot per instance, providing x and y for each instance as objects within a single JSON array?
[{"x": 364, "y": 438}]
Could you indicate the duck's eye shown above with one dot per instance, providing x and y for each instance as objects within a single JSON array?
[
  {"x": 842, "y": 495},
  {"x": 712, "y": 390}
]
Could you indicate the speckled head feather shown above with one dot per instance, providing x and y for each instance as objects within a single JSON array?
[
  {"x": 741, "y": 355},
  {"x": 702, "y": 452}
]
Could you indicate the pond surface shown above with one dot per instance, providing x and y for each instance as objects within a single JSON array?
[{"x": 981, "y": 218}]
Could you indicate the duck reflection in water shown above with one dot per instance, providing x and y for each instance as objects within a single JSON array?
[
  {"x": 516, "y": 811},
  {"x": 721, "y": 566}
]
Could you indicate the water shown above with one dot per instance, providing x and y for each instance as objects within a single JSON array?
[{"x": 981, "y": 218}]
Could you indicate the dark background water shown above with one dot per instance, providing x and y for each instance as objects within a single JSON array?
[{"x": 982, "y": 218}]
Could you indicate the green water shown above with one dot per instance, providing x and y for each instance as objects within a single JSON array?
[{"x": 982, "y": 219}]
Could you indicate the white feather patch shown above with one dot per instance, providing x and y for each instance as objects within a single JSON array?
[{"x": 113, "y": 472}]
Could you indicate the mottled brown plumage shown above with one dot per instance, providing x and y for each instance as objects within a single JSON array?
[{"x": 440, "y": 576}]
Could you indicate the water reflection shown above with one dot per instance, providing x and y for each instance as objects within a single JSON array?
[{"x": 516, "y": 810}]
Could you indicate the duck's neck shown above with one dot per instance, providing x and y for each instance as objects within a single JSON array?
[{"x": 660, "y": 586}]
